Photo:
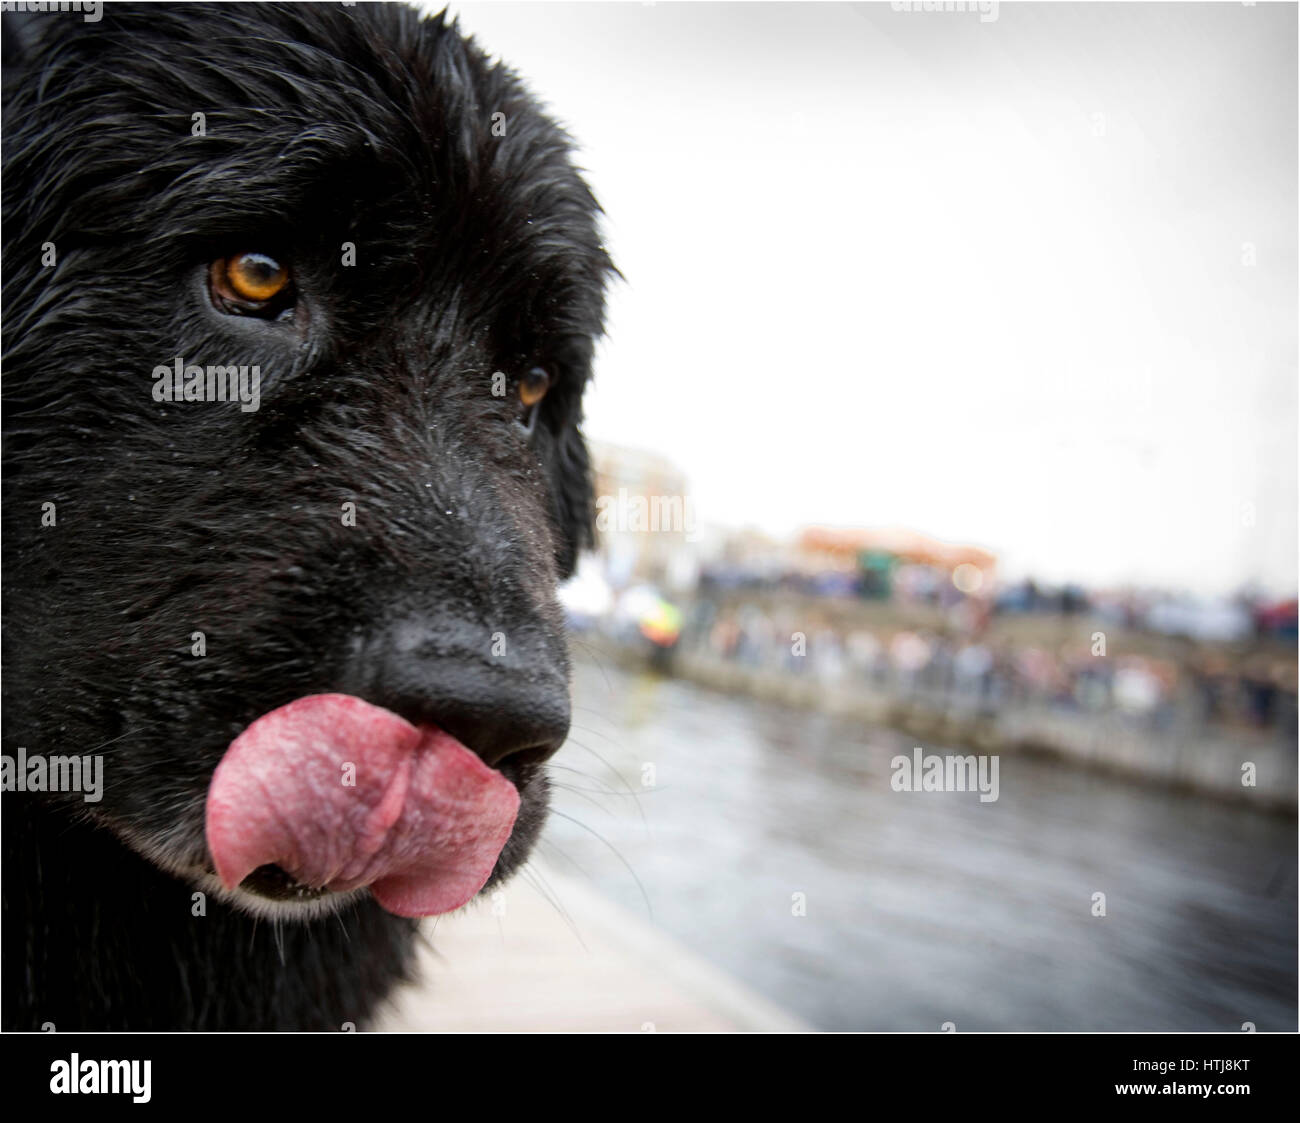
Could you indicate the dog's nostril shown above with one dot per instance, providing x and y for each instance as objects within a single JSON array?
[
  {"x": 509, "y": 737},
  {"x": 540, "y": 754},
  {"x": 524, "y": 762}
]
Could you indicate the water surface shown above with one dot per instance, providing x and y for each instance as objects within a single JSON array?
[{"x": 921, "y": 908}]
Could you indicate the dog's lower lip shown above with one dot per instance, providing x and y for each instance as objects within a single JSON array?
[{"x": 275, "y": 884}]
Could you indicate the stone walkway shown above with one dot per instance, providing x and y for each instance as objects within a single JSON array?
[{"x": 513, "y": 963}]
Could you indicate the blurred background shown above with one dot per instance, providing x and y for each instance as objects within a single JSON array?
[{"x": 949, "y": 403}]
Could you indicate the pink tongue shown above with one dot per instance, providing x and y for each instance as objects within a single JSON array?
[{"x": 340, "y": 793}]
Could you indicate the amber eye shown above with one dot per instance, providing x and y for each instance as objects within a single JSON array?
[
  {"x": 248, "y": 282},
  {"x": 533, "y": 386}
]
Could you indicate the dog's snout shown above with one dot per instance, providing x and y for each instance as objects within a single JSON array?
[{"x": 511, "y": 707}]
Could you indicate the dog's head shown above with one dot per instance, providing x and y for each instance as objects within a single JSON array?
[{"x": 371, "y": 243}]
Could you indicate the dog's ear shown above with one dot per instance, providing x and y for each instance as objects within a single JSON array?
[{"x": 573, "y": 498}]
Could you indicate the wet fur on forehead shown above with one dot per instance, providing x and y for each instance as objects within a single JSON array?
[{"x": 290, "y": 93}]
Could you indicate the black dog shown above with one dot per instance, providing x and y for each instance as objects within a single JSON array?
[{"x": 299, "y": 305}]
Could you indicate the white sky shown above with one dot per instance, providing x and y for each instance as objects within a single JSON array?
[{"x": 880, "y": 270}]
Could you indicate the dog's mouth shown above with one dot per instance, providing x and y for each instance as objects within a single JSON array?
[
  {"x": 329, "y": 795},
  {"x": 275, "y": 884}
]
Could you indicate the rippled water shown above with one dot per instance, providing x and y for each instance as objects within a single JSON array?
[{"x": 922, "y": 908}]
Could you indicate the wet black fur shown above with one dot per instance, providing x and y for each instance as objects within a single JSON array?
[{"x": 475, "y": 253}]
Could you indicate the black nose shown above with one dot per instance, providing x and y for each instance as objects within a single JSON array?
[{"x": 506, "y": 698}]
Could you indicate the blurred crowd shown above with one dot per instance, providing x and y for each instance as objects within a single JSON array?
[
  {"x": 1248, "y": 615},
  {"x": 950, "y": 637},
  {"x": 1205, "y": 685}
]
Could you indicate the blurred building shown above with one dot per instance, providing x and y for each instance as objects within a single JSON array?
[
  {"x": 896, "y": 560},
  {"x": 646, "y": 528}
]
